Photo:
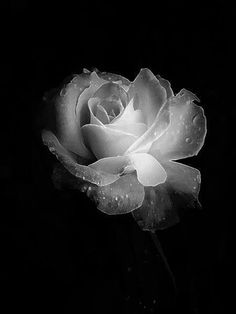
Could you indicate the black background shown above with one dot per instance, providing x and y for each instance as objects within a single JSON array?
[{"x": 58, "y": 253}]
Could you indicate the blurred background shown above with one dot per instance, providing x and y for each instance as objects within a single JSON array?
[{"x": 59, "y": 254}]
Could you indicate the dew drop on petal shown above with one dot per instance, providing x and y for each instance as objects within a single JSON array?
[
  {"x": 195, "y": 119},
  {"x": 63, "y": 92},
  {"x": 199, "y": 178},
  {"x": 187, "y": 140}
]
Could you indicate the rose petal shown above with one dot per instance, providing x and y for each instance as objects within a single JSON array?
[
  {"x": 112, "y": 107},
  {"x": 157, "y": 211},
  {"x": 80, "y": 171},
  {"x": 105, "y": 142},
  {"x": 95, "y": 83},
  {"x": 182, "y": 178},
  {"x": 166, "y": 84},
  {"x": 186, "y": 133},
  {"x": 92, "y": 105},
  {"x": 129, "y": 115},
  {"x": 163, "y": 202},
  {"x": 114, "y": 165},
  {"x": 102, "y": 115},
  {"x": 159, "y": 126},
  {"x": 136, "y": 129},
  {"x": 120, "y": 197},
  {"x": 148, "y": 94},
  {"x": 115, "y": 78},
  {"x": 149, "y": 170},
  {"x": 68, "y": 125},
  {"x": 110, "y": 92}
]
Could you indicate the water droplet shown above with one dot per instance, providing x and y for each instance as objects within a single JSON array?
[
  {"x": 199, "y": 178},
  {"x": 195, "y": 119},
  {"x": 181, "y": 117},
  {"x": 154, "y": 301},
  {"x": 52, "y": 149},
  {"x": 188, "y": 140},
  {"x": 63, "y": 92},
  {"x": 116, "y": 198},
  {"x": 86, "y": 70},
  {"x": 103, "y": 198},
  {"x": 83, "y": 177},
  {"x": 126, "y": 195}
]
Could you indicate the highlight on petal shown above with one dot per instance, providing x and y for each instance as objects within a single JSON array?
[
  {"x": 163, "y": 203},
  {"x": 105, "y": 142},
  {"x": 149, "y": 170},
  {"x": 129, "y": 115},
  {"x": 121, "y": 197},
  {"x": 187, "y": 130},
  {"x": 83, "y": 172},
  {"x": 148, "y": 94},
  {"x": 136, "y": 129},
  {"x": 114, "y": 165},
  {"x": 159, "y": 126}
]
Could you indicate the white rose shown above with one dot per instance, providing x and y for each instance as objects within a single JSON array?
[{"x": 121, "y": 140}]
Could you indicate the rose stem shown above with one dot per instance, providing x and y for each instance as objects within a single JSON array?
[{"x": 162, "y": 254}]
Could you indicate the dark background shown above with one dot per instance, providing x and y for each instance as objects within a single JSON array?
[{"x": 59, "y": 254}]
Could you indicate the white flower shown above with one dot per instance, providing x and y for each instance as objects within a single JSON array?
[{"x": 121, "y": 140}]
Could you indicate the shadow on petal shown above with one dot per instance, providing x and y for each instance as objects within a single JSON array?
[
  {"x": 121, "y": 197},
  {"x": 165, "y": 203},
  {"x": 82, "y": 172},
  {"x": 157, "y": 211}
]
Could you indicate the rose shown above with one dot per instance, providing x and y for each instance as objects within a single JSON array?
[{"x": 120, "y": 141}]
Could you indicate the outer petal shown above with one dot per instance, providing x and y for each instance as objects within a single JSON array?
[
  {"x": 80, "y": 171},
  {"x": 113, "y": 165},
  {"x": 149, "y": 170},
  {"x": 105, "y": 142},
  {"x": 120, "y": 197},
  {"x": 68, "y": 127},
  {"x": 148, "y": 94},
  {"x": 162, "y": 203},
  {"x": 186, "y": 133},
  {"x": 166, "y": 84},
  {"x": 159, "y": 126},
  {"x": 183, "y": 178},
  {"x": 157, "y": 210}
]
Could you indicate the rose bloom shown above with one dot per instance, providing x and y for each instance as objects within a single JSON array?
[{"x": 120, "y": 139}]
